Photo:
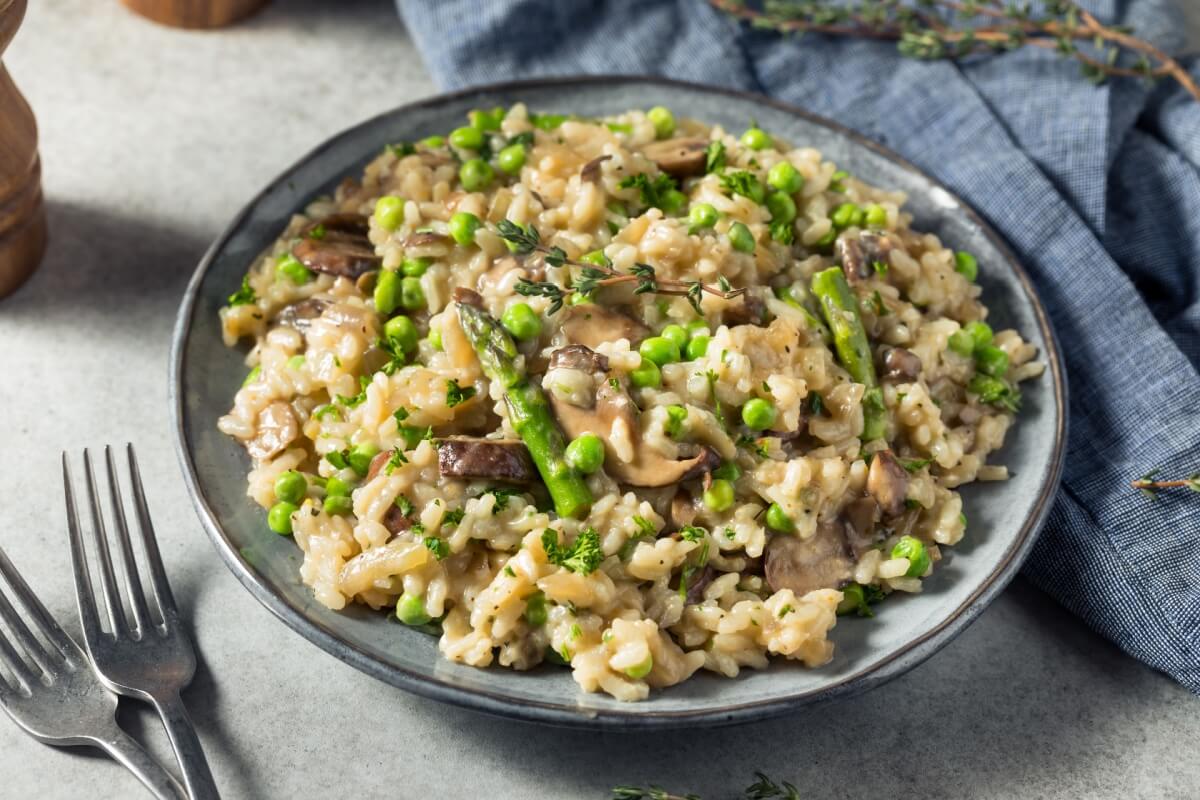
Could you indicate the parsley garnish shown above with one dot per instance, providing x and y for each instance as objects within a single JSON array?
[
  {"x": 243, "y": 296},
  {"x": 782, "y": 231},
  {"x": 651, "y": 190},
  {"x": 524, "y": 139},
  {"x": 439, "y": 547},
  {"x": 456, "y": 394},
  {"x": 758, "y": 446},
  {"x": 357, "y": 400},
  {"x": 401, "y": 149},
  {"x": 405, "y": 505},
  {"x": 325, "y": 410},
  {"x": 880, "y": 267},
  {"x": 690, "y": 533},
  {"x": 318, "y": 232},
  {"x": 583, "y": 556},
  {"x": 915, "y": 464},
  {"x": 714, "y": 157},
  {"x": 502, "y": 496},
  {"x": 744, "y": 183},
  {"x": 453, "y": 517},
  {"x": 395, "y": 460}
]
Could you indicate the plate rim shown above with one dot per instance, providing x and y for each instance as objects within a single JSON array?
[{"x": 869, "y": 676}]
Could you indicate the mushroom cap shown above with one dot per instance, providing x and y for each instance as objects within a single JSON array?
[{"x": 822, "y": 561}]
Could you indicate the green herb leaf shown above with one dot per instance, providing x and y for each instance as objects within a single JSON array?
[
  {"x": 456, "y": 394},
  {"x": 243, "y": 296}
]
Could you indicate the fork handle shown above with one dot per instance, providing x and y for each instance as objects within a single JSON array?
[
  {"x": 182, "y": 733},
  {"x": 129, "y": 753}
]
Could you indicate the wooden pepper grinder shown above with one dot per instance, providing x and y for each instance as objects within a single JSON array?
[
  {"x": 22, "y": 212},
  {"x": 195, "y": 13}
]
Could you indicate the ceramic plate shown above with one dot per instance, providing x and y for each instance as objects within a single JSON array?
[{"x": 1005, "y": 517}]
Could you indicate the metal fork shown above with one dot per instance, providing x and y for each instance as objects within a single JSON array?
[
  {"x": 52, "y": 693},
  {"x": 140, "y": 652}
]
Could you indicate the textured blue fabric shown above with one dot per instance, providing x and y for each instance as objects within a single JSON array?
[{"x": 1097, "y": 189}]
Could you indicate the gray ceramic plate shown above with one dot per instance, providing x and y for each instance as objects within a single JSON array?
[{"x": 1005, "y": 517}]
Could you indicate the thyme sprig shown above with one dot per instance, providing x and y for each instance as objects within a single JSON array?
[
  {"x": 1150, "y": 487},
  {"x": 762, "y": 789},
  {"x": 954, "y": 29},
  {"x": 525, "y": 239}
]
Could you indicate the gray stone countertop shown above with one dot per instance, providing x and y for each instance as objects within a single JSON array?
[{"x": 151, "y": 139}]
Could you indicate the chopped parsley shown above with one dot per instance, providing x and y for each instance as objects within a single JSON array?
[
  {"x": 405, "y": 505},
  {"x": 358, "y": 399},
  {"x": 758, "y": 446},
  {"x": 401, "y": 149},
  {"x": 915, "y": 464},
  {"x": 439, "y": 547},
  {"x": 508, "y": 570},
  {"x": 877, "y": 305},
  {"x": 524, "y": 139},
  {"x": 744, "y": 183},
  {"x": 318, "y": 232},
  {"x": 782, "y": 231},
  {"x": 691, "y": 533},
  {"x": 714, "y": 157},
  {"x": 835, "y": 181},
  {"x": 338, "y": 458},
  {"x": 453, "y": 517},
  {"x": 502, "y": 496},
  {"x": 326, "y": 410},
  {"x": 783, "y": 612},
  {"x": 456, "y": 394},
  {"x": 243, "y": 296},
  {"x": 395, "y": 353},
  {"x": 395, "y": 460},
  {"x": 652, "y": 190},
  {"x": 880, "y": 267},
  {"x": 730, "y": 534},
  {"x": 582, "y": 556}
]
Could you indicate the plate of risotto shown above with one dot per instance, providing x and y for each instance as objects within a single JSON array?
[{"x": 617, "y": 402}]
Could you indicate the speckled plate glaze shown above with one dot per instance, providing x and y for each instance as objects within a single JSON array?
[{"x": 1005, "y": 517}]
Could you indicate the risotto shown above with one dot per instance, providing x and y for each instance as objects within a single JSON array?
[{"x": 632, "y": 395}]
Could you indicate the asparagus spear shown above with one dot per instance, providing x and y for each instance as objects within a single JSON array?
[
  {"x": 840, "y": 309},
  {"x": 528, "y": 408}
]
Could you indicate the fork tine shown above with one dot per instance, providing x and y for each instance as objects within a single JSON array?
[
  {"x": 16, "y": 665},
  {"x": 108, "y": 581},
  {"x": 133, "y": 583},
  {"x": 41, "y": 617},
  {"x": 158, "y": 573},
  {"x": 84, "y": 595},
  {"x": 47, "y": 658}
]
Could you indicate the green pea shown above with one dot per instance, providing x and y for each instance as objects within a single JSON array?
[
  {"x": 467, "y": 138},
  {"x": 511, "y": 159},
  {"x": 463, "y": 226},
  {"x": 663, "y": 121},
  {"x": 781, "y": 206},
  {"x": 646, "y": 375},
  {"x": 290, "y": 486},
  {"x": 521, "y": 321},
  {"x": 702, "y": 215},
  {"x": 279, "y": 518},
  {"x": 844, "y": 215},
  {"x": 486, "y": 120},
  {"x": 586, "y": 453},
  {"x": 433, "y": 141},
  {"x": 741, "y": 238},
  {"x": 337, "y": 505},
  {"x": 728, "y": 470},
  {"x": 535, "y": 610},
  {"x": 719, "y": 495},
  {"x": 759, "y": 414},
  {"x": 853, "y": 599},
  {"x": 476, "y": 175},
  {"x": 786, "y": 178},
  {"x": 403, "y": 332},
  {"x": 389, "y": 212},
  {"x": 778, "y": 519},
  {"x": 981, "y": 332},
  {"x": 641, "y": 670},
  {"x": 672, "y": 201},
  {"x": 415, "y": 267},
  {"x": 677, "y": 334},
  {"x": 991, "y": 360},
  {"x": 966, "y": 265},
  {"x": 961, "y": 342},
  {"x": 288, "y": 266},
  {"x": 596, "y": 257},
  {"x": 387, "y": 292},
  {"x": 659, "y": 349},
  {"x": 756, "y": 139},
  {"x": 410, "y": 609},
  {"x": 990, "y": 390},
  {"x": 917, "y": 554},
  {"x": 697, "y": 348},
  {"x": 412, "y": 296},
  {"x": 359, "y": 458},
  {"x": 877, "y": 216},
  {"x": 336, "y": 487}
]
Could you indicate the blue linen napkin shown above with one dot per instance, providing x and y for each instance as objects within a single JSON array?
[{"x": 1097, "y": 189}]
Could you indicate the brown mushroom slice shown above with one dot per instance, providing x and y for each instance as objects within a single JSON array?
[
  {"x": 577, "y": 356},
  {"x": 425, "y": 239},
  {"x": 860, "y": 518},
  {"x": 887, "y": 482},
  {"x": 378, "y": 463},
  {"x": 493, "y": 459},
  {"x": 697, "y": 583},
  {"x": 591, "y": 325},
  {"x": 649, "y": 468},
  {"x": 301, "y": 315},
  {"x": 591, "y": 170},
  {"x": 395, "y": 521},
  {"x": 683, "y": 510},
  {"x": 822, "y": 561},
  {"x": 276, "y": 427},
  {"x": 859, "y": 255},
  {"x": 751, "y": 310},
  {"x": 680, "y": 157},
  {"x": 901, "y": 365}
]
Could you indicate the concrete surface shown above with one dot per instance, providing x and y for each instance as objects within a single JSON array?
[{"x": 151, "y": 139}]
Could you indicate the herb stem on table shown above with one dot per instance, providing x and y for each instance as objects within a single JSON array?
[
  {"x": 1150, "y": 487},
  {"x": 762, "y": 789},
  {"x": 954, "y": 29}
]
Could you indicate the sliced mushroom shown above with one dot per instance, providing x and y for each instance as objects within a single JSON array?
[
  {"x": 697, "y": 583},
  {"x": 860, "y": 517},
  {"x": 751, "y": 310},
  {"x": 683, "y": 510},
  {"x": 591, "y": 325},
  {"x": 277, "y": 428},
  {"x": 823, "y": 561},
  {"x": 611, "y": 405},
  {"x": 858, "y": 255},
  {"x": 425, "y": 239},
  {"x": 493, "y": 459},
  {"x": 378, "y": 463},
  {"x": 591, "y": 170},
  {"x": 901, "y": 365},
  {"x": 301, "y": 315},
  {"x": 887, "y": 482},
  {"x": 576, "y": 356},
  {"x": 467, "y": 297},
  {"x": 681, "y": 157},
  {"x": 395, "y": 521},
  {"x": 343, "y": 249}
]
